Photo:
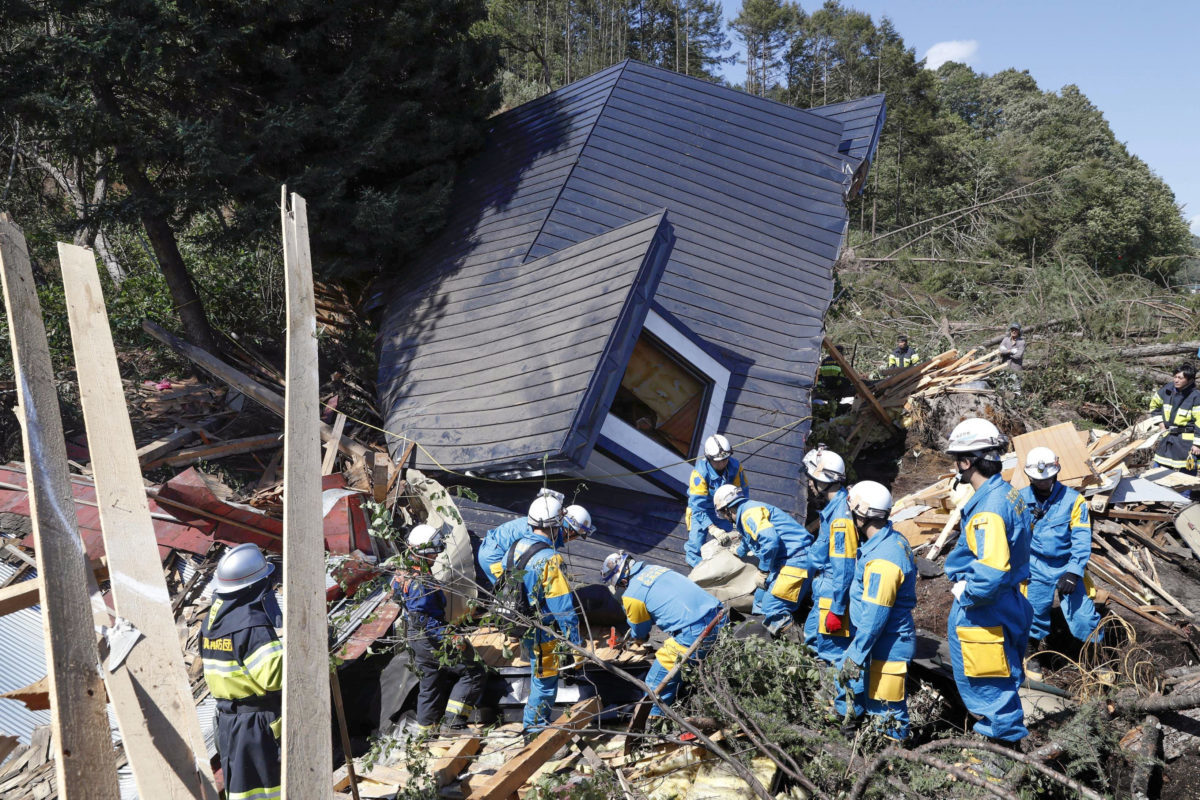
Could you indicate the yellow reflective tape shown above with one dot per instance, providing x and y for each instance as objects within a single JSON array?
[
  {"x": 887, "y": 681},
  {"x": 277, "y": 728},
  {"x": 553, "y": 580},
  {"x": 669, "y": 654},
  {"x": 823, "y": 604},
  {"x": 265, "y": 666},
  {"x": 849, "y": 539},
  {"x": 235, "y": 685},
  {"x": 698, "y": 485},
  {"x": 458, "y": 707},
  {"x": 983, "y": 651},
  {"x": 881, "y": 590},
  {"x": 787, "y": 586},
  {"x": 635, "y": 609},
  {"x": 988, "y": 540},
  {"x": 266, "y": 793},
  {"x": 217, "y": 602}
]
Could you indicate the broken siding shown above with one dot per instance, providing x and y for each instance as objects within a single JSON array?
[
  {"x": 505, "y": 365},
  {"x": 754, "y": 190},
  {"x": 862, "y": 122}
]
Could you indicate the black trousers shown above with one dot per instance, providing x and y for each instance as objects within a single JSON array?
[
  {"x": 250, "y": 756},
  {"x": 451, "y": 689}
]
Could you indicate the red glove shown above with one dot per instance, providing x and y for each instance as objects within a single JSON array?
[{"x": 833, "y": 623}]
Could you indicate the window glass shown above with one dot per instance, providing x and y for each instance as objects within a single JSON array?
[{"x": 662, "y": 396}]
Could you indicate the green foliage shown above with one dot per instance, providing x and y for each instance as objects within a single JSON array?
[{"x": 602, "y": 785}]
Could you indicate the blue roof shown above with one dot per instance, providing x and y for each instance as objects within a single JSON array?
[
  {"x": 754, "y": 191},
  {"x": 862, "y": 123}
]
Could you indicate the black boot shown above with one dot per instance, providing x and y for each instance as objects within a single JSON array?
[{"x": 1034, "y": 670}]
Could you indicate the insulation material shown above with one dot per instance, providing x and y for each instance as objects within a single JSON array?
[
  {"x": 660, "y": 396},
  {"x": 1064, "y": 441},
  {"x": 725, "y": 576},
  {"x": 1140, "y": 490}
]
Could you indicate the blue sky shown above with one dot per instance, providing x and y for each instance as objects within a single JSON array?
[{"x": 1139, "y": 63}]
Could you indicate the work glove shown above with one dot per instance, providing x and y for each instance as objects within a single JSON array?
[
  {"x": 725, "y": 538},
  {"x": 760, "y": 580},
  {"x": 1067, "y": 584},
  {"x": 957, "y": 589},
  {"x": 833, "y": 623},
  {"x": 716, "y": 531}
]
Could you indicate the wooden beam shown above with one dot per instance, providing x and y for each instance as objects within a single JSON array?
[
  {"x": 858, "y": 382},
  {"x": 230, "y": 447},
  {"x": 380, "y": 466},
  {"x": 331, "y": 451},
  {"x": 167, "y": 444},
  {"x": 158, "y": 720},
  {"x": 25, "y": 594},
  {"x": 242, "y": 382},
  {"x": 307, "y": 742},
  {"x": 452, "y": 762},
  {"x": 520, "y": 768},
  {"x": 85, "y": 763}
]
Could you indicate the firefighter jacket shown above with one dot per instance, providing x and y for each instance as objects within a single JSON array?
[
  {"x": 882, "y": 599},
  {"x": 832, "y": 556},
  {"x": 547, "y": 588},
  {"x": 659, "y": 596},
  {"x": 1062, "y": 530},
  {"x": 704, "y": 484},
  {"x": 774, "y": 537},
  {"x": 903, "y": 357},
  {"x": 243, "y": 658},
  {"x": 992, "y": 552},
  {"x": 1180, "y": 410}
]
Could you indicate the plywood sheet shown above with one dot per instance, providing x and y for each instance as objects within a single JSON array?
[{"x": 1064, "y": 441}]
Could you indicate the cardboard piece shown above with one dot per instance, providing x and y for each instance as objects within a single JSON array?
[{"x": 1064, "y": 441}]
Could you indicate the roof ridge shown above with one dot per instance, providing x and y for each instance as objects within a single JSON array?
[{"x": 562, "y": 186}]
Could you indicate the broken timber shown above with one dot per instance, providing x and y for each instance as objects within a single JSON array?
[
  {"x": 513, "y": 774},
  {"x": 24, "y": 595},
  {"x": 307, "y": 743},
  {"x": 85, "y": 763},
  {"x": 160, "y": 728},
  {"x": 858, "y": 382}
]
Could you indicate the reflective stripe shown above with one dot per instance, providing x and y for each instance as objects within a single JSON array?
[
  {"x": 265, "y": 666},
  {"x": 269, "y": 793},
  {"x": 458, "y": 707},
  {"x": 881, "y": 582},
  {"x": 987, "y": 537}
]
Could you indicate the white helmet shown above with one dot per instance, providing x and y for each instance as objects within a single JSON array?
[
  {"x": 1041, "y": 463},
  {"x": 616, "y": 569},
  {"x": 870, "y": 500},
  {"x": 578, "y": 521},
  {"x": 425, "y": 540},
  {"x": 545, "y": 512},
  {"x": 824, "y": 465},
  {"x": 978, "y": 437},
  {"x": 726, "y": 496},
  {"x": 716, "y": 448},
  {"x": 241, "y": 567}
]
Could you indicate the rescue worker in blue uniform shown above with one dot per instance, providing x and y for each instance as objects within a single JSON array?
[
  {"x": 716, "y": 468},
  {"x": 831, "y": 558},
  {"x": 781, "y": 545},
  {"x": 1059, "y": 553},
  {"x": 903, "y": 355},
  {"x": 576, "y": 524},
  {"x": 1178, "y": 403},
  {"x": 451, "y": 677},
  {"x": 990, "y": 618},
  {"x": 654, "y": 595},
  {"x": 243, "y": 667},
  {"x": 549, "y": 595},
  {"x": 875, "y": 665}
]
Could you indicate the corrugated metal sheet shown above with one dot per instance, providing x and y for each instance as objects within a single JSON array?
[
  {"x": 22, "y": 661},
  {"x": 518, "y": 363}
]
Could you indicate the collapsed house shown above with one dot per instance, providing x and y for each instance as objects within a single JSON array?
[{"x": 633, "y": 262}]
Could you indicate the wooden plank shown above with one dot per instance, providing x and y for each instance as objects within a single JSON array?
[
  {"x": 160, "y": 728},
  {"x": 26, "y": 593},
  {"x": 307, "y": 741},
  {"x": 1064, "y": 441},
  {"x": 1119, "y": 456},
  {"x": 855, "y": 379},
  {"x": 230, "y": 447},
  {"x": 85, "y": 763},
  {"x": 331, "y": 451},
  {"x": 513, "y": 774},
  {"x": 167, "y": 444},
  {"x": 455, "y": 760},
  {"x": 380, "y": 466},
  {"x": 241, "y": 381}
]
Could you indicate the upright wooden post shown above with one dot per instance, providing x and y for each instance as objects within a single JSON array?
[
  {"x": 307, "y": 742},
  {"x": 84, "y": 761},
  {"x": 160, "y": 726}
]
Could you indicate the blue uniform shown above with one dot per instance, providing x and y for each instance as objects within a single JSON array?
[
  {"x": 781, "y": 545},
  {"x": 1062, "y": 543},
  {"x": 701, "y": 513},
  {"x": 680, "y": 608},
  {"x": 831, "y": 569},
  {"x": 881, "y": 603},
  {"x": 989, "y": 623},
  {"x": 550, "y": 595},
  {"x": 496, "y": 544}
]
